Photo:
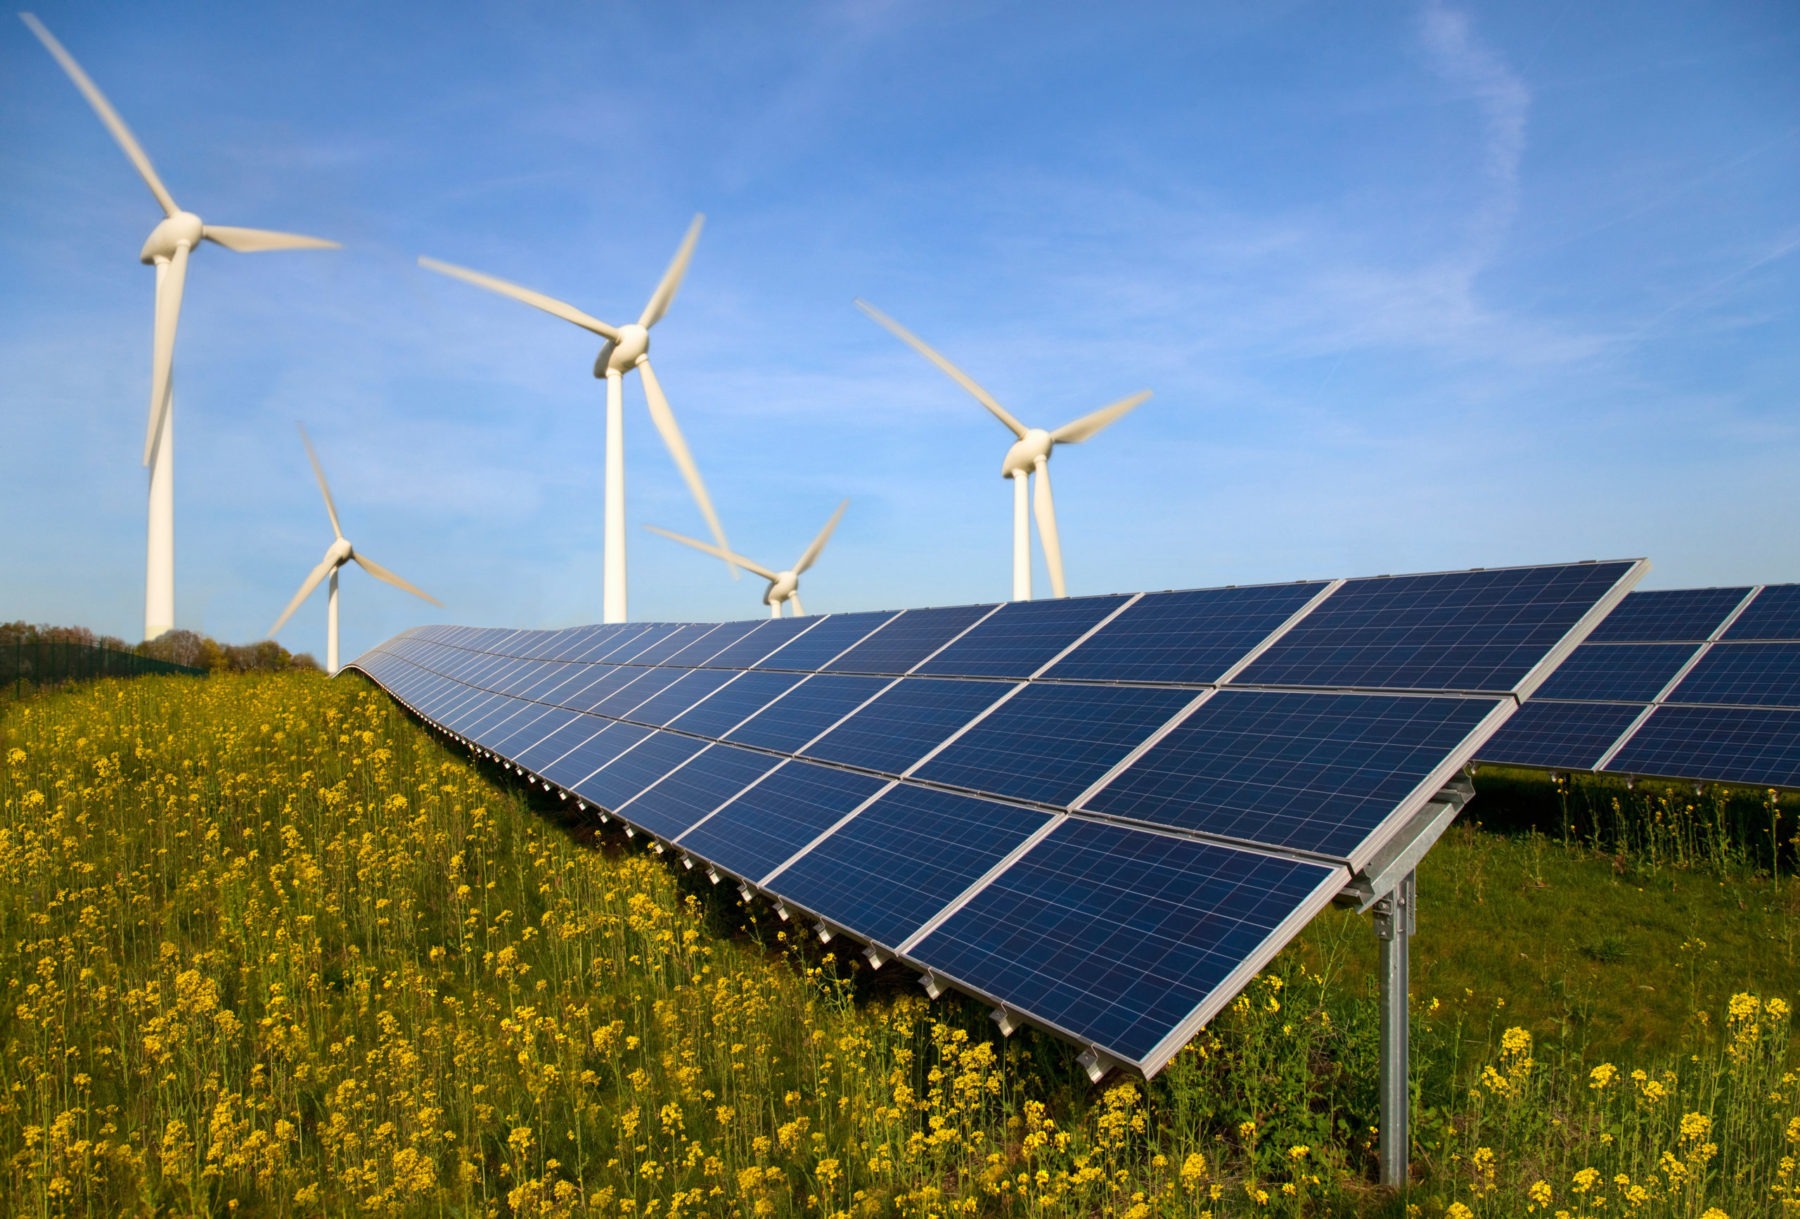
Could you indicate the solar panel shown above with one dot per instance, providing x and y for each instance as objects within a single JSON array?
[
  {"x": 1313, "y": 772},
  {"x": 1021, "y": 637},
  {"x": 1754, "y": 745},
  {"x": 1477, "y": 631},
  {"x": 1559, "y": 736},
  {"x": 1622, "y": 696},
  {"x": 805, "y": 711},
  {"x": 690, "y": 792},
  {"x": 1773, "y": 614},
  {"x": 908, "y": 639},
  {"x": 1127, "y": 939},
  {"x": 1101, "y": 814},
  {"x": 1744, "y": 675},
  {"x": 901, "y": 860},
  {"x": 1051, "y": 742},
  {"x": 1188, "y": 637},
  {"x": 1668, "y": 615},
  {"x": 757, "y": 832},
  {"x": 1617, "y": 672},
  {"x": 905, "y": 722}
]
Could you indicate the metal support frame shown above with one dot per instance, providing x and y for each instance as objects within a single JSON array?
[{"x": 1396, "y": 922}]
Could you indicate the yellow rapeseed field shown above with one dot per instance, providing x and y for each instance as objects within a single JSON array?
[{"x": 268, "y": 948}]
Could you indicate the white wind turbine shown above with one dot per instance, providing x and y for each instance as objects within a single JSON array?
[
  {"x": 783, "y": 585},
  {"x": 626, "y": 347},
  {"x": 337, "y": 554},
  {"x": 167, "y": 248},
  {"x": 1029, "y": 454}
]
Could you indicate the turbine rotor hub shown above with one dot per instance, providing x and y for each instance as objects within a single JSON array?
[
  {"x": 1023, "y": 457},
  {"x": 783, "y": 586},
  {"x": 183, "y": 228},
  {"x": 341, "y": 552},
  {"x": 623, "y": 355}
]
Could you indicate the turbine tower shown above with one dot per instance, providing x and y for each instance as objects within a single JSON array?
[
  {"x": 626, "y": 347},
  {"x": 1029, "y": 455},
  {"x": 784, "y": 586},
  {"x": 337, "y": 554},
  {"x": 167, "y": 249}
]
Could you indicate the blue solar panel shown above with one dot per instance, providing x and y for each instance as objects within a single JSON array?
[
  {"x": 550, "y": 675},
  {"x": 1188, "y": 637},
  {"x": 832, "y": 635},
  {"x": 556, "y": 744},
  {"x": 1312, "y": 772},
  {"x": 894, "y": 865},
  {"x": 529, "y": 727},
  {"x": 586, "y": 693},
  {"x": 907, "y": 640},
  {"x": 713, "y": 643},
  {"x": 764, "y": 637},
  {"x": 1617, "y": 672},
  {"x": 805, "y": 711},
  {"x": 593, "y": 753},
  {"x": 1744, "y": 675},
  {"x": 714, "y": 776},
  {"x": 491, "y": 716},
  {"x": 636, "y": 768},
  {"x": 642, "y": 643},
  {"x": 1775, "y": 614},
  {"x": 1051, "y": 742},
  {"x": 1755, "y": 745},
  {"x": 1668, "y": 615},
  {"x": 1117, "y": 936},
  {"x": 677, "y": 640},
  {"x": 649, "y": 683},
  {"x": 747, "y": 694},
  {"x": 756, "y": 832},
  {"x": 1020, "y": 637},
  {"x": 906, "y": 722},
  {"x": 1559, "y": 736},
  {"x": 662, "y": 709},
  {"x": 1483, "y": 630}
]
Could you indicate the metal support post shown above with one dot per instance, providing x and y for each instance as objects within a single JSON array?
[{"x": 1395, "y": 923}]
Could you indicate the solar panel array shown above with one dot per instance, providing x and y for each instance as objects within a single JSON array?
[
  {"x": 1102, "y": 815},
  {"x": 1697, "y": 683}
]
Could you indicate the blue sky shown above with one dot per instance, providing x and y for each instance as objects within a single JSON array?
[{"x": 1417, "y": 286}]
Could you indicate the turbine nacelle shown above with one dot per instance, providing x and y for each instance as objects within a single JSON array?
[
  {"x": 782, "y": 587},
  {"x": 339, "y": 553},
  {"x": 181, "y": 229},
  {"x": 624, "y": 353},
  {"x": 1029, "y": 449}
]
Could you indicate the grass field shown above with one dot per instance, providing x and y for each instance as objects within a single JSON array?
[{"x": 270, "y": 949}]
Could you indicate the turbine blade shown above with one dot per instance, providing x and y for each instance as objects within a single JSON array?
[
  {"x": 381, "y": 573},
  {"x": 812, "y": 552},
  {"x": 537, "y": 300},
  {"x": 709, "y": 548},
  {"x": 171, "y": 279},
  {"x": 312, "y": 582},
  {"x": 664, "y": 296},
  {"x": 664, "y": 419},
  {"x": 255, "y": 241},
  {"x": 108, "y": 115},
  {"x": 794, "y": 600},
  {"x": 956, "y": 374},
  {"x": 1106, "y": 416},
  {"x": 1044, "y": 504},
  {"x": 319, "y": 473}
]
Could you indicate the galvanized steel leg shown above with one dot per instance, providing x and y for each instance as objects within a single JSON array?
[{"x": 1395, "y": 923}]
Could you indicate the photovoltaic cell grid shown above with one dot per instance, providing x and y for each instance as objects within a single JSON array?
[
  {"x": 1700, "y": 684},
  {"x": 1102, "y": 814}
]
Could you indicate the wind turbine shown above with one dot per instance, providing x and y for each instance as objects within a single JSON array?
[
  {"x": 626, "y": 347},
  {"x": 337, "y": 554},
  {"x": 1029, "y": 454},
  {"x": 783, "y": 585},
  {"x": 167, "y": 249}
]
